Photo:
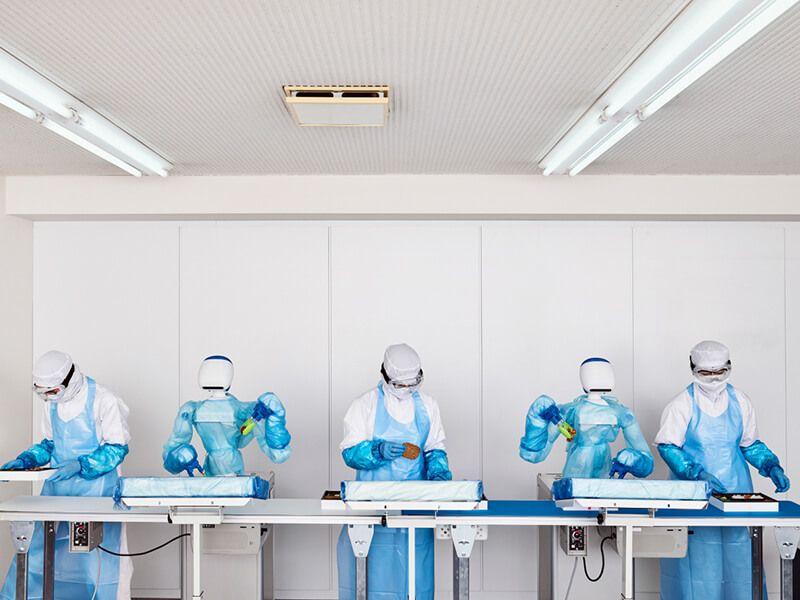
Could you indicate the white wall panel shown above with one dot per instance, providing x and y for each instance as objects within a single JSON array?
[
  {"x": 695, "y": 281},
  {"x": 553, "y": 295},
  {"x": 107, "y": 293},
  {"x": 417, "y": 283},
  {"x": 258, "y": 293},
  {"x": 500, "y": 313}
]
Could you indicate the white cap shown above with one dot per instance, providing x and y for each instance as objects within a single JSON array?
[
  {"x": 216, "y": 373},
  {"x": 709, "y": 355},
  {"x": 597, "y": 375},
  {"x": 401, "y": 363},
  {"x": 52, "y": 369}
]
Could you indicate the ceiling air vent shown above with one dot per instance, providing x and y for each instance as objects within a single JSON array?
[{"x": 337, "y": 106}]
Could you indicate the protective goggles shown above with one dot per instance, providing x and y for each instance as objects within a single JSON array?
[
  {"x": 403, "y": 385},
  {"x": 53, "y": 392}
]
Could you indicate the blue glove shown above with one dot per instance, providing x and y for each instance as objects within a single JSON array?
[
  {"x": 631, "y": 461},
  {"x": 66, "y": 471},
  {"x": 391, "y": 450},
  {"x": 13, "y": 465},
  {"x": 780, "y": 479},
  {"x": 716, "y": 484}
]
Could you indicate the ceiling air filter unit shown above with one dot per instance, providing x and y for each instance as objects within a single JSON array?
[{"x": 337, "y": 106}]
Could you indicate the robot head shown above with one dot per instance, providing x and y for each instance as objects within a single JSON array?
[
  {"x": 216, "y": 374},
  {"x": 597, "y": 375}
]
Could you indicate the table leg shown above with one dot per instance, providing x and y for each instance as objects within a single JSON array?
[
  {"x": 627, "y": 564},
  {"x": 22, "y": 576},
  {"x": 757, "y": 553},
  {"x": 412, "y": 564},
  {"x": 197, "y": 592},
  {"x": 787, "y": 579},
  {"x": 186, "y": 561},
  {"x": 460, "y": 577},
  {"x": 361, "y": 578},
  {"x": 49, "y": 574}
]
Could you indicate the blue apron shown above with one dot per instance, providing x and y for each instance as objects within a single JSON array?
[
  {"x": 717, "y": 565},
  {"x": 75, "y": 574},
  {"x": 387, "y": 562}
]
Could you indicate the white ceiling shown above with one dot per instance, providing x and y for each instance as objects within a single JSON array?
[{"x": 479, "y": 86}]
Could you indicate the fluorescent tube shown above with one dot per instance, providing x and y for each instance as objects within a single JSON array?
[
  {"x": 604, "y": 144},
  {"x": 96, "y": 150},
  {"x": 17, "y": 107},
  {"x": 20, "y": 77},
  {"x": 736, "y": 37}
]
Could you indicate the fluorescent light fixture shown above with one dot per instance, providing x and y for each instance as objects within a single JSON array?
[
  {"x": 699, "y": 38},
  {"x": 96, "y": 150},
  {"x": 762, "y": 16},
  {"x": 32, "y": 95},
  {"x": 604, "y": 144},
  {"x": 18, "y": 107},
  {"x": 18, "y": 77}
]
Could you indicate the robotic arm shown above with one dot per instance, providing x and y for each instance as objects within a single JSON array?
[
  {"x": 179, "y": 455},
  {"x": 540, "y": 434},
  {"x": 636, "y": 458}
]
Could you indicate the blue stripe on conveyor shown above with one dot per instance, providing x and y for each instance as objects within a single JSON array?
[{"x": 547, "y": 508}]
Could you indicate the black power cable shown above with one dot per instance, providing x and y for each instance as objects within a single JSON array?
[
  {"x": 602, "y": 561},
  {"x": 167, "y": 543}
]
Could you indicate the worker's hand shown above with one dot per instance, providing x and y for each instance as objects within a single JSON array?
[
  {"x": 716, "y": 484},
  {"x": 13, "y": 465},
  {"x": 66, "y": 471},
  {"x": 391, "y": 450},
  {"x": 779, "y": 478}
]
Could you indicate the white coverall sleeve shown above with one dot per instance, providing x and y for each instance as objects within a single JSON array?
[
  {"x": 111, "y": 414},
  {"x": 357, "y": 425},
  {"x": 436, "y": 437},
  {"x": 675, "y": 421},
  {"x": 749, "y": 425}
]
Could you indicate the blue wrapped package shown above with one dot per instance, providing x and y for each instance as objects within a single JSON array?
[
  {"x": 412, "y": 491},
  {"x": 630, "y": 489},
  {"x": 249, "y": 486}
]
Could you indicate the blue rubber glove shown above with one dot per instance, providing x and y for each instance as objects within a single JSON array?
[
  {"x": 780, "y": 479},
  {"x": 716, "y": 484},
  {"x": 391, "y": 450},
  {"x": 66, "y": 471},
  {"x": 631, "y": 461},
  {"x": 13, "y": 465}
]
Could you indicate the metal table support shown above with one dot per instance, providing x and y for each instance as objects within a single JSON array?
[
  {"x": 464, "y": 537},
  {"x": 757, "y": 562},
  {"x": 22, "y": 535},
  {"x": 49, "y": 574},
  {"x": 360, "y": 540},
  {"x": 628, "y": 565},
  {"x": 787, "y": 539}
]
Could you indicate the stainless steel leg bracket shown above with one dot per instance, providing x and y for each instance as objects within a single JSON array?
[{"x": 360, "y": 540}]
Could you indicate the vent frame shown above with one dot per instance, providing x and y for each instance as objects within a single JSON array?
[{"x": 378, "y": 96}]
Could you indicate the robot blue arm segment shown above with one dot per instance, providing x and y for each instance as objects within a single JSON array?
[
  {"x": 37, "y": 455},
  {"x": 761, "y": 457},
  {"x": 182, "y": 458},
  {"x": 437, "y": 467},
  {"x": 679, "y": 462},
  {"x": 364, "y": 456},
  {"x": 540, "y": 435},
  {"x": 271, "y": 433},
  {"x": 174, "y": 453},
  {"x": 103, "y": 460},
  {"x": 637, "y": 457}
]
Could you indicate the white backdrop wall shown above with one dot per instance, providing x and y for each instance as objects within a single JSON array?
[
  {"x": 500, "y": 312},
  {"x": 16, "y": 298}
]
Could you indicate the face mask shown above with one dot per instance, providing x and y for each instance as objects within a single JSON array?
[
  {"x": 711, "y": 384},
  {"x": 402, "y": 393}
]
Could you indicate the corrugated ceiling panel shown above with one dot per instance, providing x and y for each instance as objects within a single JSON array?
[{"x": 479, "y": 86}]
